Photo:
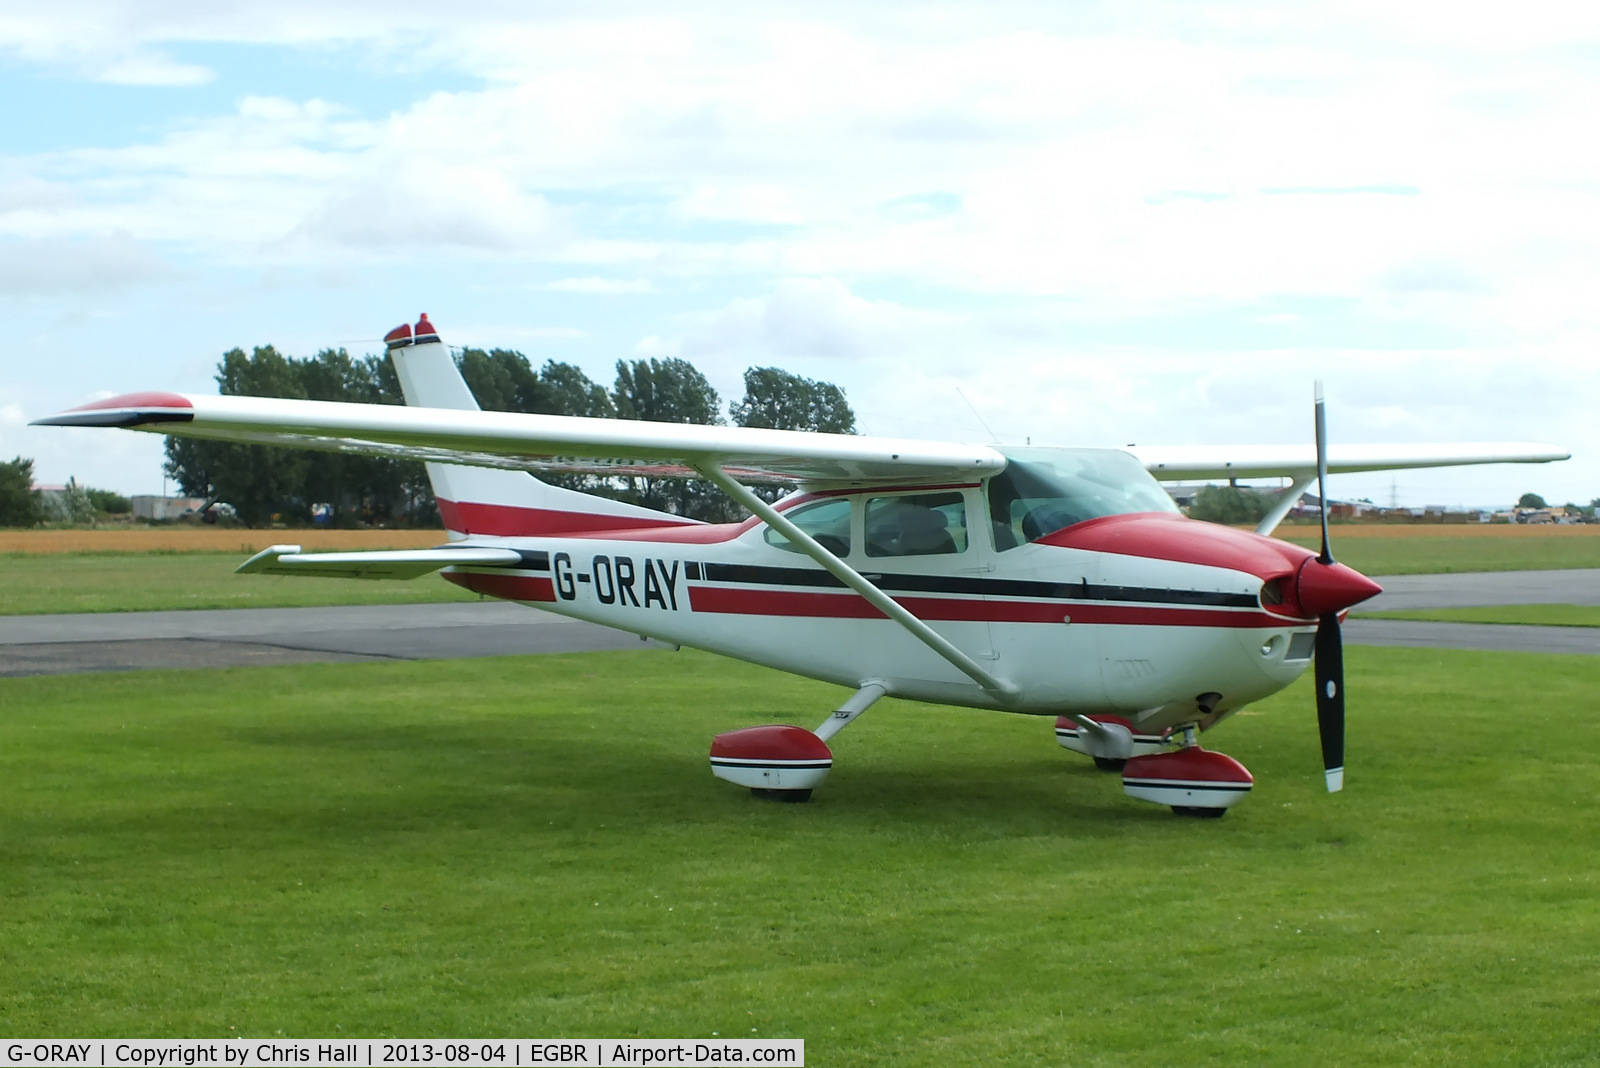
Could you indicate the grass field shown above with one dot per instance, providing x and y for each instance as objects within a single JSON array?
[
  {"x": 1548, "y": 615},
  {"x": 45, "y": 583},
  {"x": 165, "y": 568},
  {"x": 536, "y": 847},
  {"x": 1424, "y": 550}
]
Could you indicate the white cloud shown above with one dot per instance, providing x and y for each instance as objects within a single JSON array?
[
  {"x": 151, "y": 68},
  {"x": 1022, "y": 179},
  {"x": 56, "y": 266},
  {"x": 596, "y": 285},
  {"x": 422, "y": 202},
  {"x": 807, "y": 319}
]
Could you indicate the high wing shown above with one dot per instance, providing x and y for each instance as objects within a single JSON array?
[
  {"x": 540, "y": 442},
  {"x": 553, "y": 443},
  {"x": 381, "y": 564},
  {"x": 1201, "y": 462}
]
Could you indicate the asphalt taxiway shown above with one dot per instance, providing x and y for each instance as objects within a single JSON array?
[{"x": 130, "y": 641}]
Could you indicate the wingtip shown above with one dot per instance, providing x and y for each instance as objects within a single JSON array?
[
  {"x": 265, "y": 558},
  {"x": 1335, "y": 777},
  {"x": 127, "y": 410}
]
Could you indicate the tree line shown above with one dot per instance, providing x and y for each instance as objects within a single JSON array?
[
  {"x": 261, "y": 482},
  {"x": 23, "y": 506}
]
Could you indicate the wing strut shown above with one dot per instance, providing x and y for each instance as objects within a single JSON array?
[
  {"x": 1003, "y": 691},
  {"x": 1286, "y": 500}
]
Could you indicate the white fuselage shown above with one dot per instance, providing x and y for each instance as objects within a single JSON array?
[{"x": 1075, "y": 630}]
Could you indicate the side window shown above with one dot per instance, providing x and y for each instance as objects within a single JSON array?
[
  {"x": 921, "y": 525},
  {"x": 827, "y": 521}
]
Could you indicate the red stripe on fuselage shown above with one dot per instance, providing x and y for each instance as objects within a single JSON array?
[
  {"x": 723, "y": 601},
  {"x": 512, "y": 521},
  {"x": 506, "y": 587}
]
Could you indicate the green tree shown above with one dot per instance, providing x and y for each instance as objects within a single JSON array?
[
  {"x": 260, "y": 481},
  {"x": 566, "y": 390},
  {"x": 20, "y": 504},
  {"x": 76, "y": 503},
  {"x": 778, "y": 400},
  {"x": 500, "y": 379},
  {"x": 257, "y": 480},
  {"x": 1233, "y": 505},
  {"x": 503, "y": 380},
  {"x": 1531, "y": 500},
  {"x": 108, "y": 502},
  {"x": 671, "y": 391},
  {"x": 369, "y": 488},
  {"x": 774, "y": 399}
]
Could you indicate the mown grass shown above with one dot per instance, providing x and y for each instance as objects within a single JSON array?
[
  {"x": 536, "y": 847},
  {"x": 1409, "y": 555},
  {"x": 1547, "y": 615},
  {"x": 38, "y": 584}
]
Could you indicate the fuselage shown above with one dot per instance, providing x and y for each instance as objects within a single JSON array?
[{"x": 1130, "y": 609}]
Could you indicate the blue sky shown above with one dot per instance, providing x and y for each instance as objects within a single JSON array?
[{"x": 1152, "y": 223}]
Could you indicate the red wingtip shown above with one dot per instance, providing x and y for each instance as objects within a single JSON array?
[
  {"x": 148, "y": 399},
  {"x": 399, "y": 333}
]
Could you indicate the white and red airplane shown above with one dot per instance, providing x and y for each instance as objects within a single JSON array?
[{"x": 1052, "y": 582}]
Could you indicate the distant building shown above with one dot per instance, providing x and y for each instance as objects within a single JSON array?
[{"x": 158, "y": 508}]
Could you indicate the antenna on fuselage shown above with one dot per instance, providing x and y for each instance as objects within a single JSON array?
[{"x": 974, "y": 409}]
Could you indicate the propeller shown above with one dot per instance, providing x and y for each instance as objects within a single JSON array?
[{"x": 1330, "y": 642}]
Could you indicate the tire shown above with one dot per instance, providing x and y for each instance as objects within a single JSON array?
[
  {"x": 1196, "y": 813},
  {"x": 792, "y": 797},
  {"x": 1110, "y": 763}
]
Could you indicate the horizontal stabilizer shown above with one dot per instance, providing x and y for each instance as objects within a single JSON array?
[{"x": 386, "y": 564}]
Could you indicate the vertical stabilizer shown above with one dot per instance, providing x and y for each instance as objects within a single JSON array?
[{"x": 483, "y": 500}]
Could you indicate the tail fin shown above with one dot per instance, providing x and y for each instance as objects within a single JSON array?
[{"x": 482, "y": 500}]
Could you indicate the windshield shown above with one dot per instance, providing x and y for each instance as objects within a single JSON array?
[{"x": 1043, "y": 490}]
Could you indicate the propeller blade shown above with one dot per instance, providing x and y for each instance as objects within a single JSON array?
[
  {"x": 1330, "y": 699},
  {"x": 1322, "y": 473}
]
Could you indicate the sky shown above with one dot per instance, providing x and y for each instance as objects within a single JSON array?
[{"x": 1064, "y": 223}]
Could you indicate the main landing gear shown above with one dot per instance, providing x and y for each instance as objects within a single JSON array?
[
  {"x": 781, "y": 762},
  {"x": 1190, "y": 780}
]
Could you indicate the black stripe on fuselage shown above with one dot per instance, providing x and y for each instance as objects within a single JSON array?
[{"x": 979, "y": 587}]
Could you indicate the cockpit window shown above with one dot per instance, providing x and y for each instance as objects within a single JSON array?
[
  {"x": 828, "y": 522},
  {"x": 1043, "y": 490},
  {"x": 923, "y": 524}
]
